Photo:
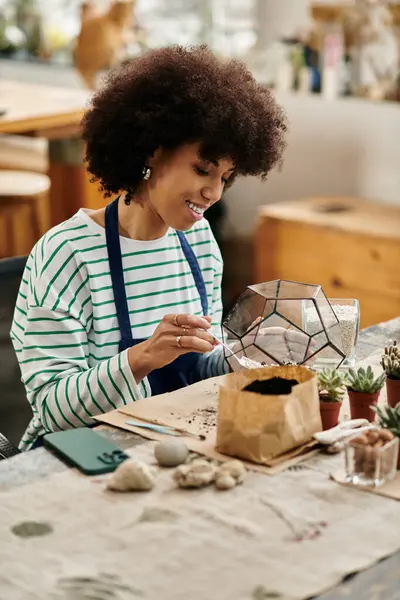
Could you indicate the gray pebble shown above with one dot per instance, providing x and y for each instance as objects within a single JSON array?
[{"x": 171, "y": 453}]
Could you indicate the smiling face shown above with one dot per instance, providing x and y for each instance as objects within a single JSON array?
[{"x": 183, "y": 185}]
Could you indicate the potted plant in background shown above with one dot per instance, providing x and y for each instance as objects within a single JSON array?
[
  {"x": 363, "y": 389},
  {"x": 391, "y": 365},
  {"x": 331, "y": 391},
  {"x": 389, "y": 418}
]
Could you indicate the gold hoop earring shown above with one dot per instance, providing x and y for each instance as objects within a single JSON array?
[{"x": 146, "y": 173}]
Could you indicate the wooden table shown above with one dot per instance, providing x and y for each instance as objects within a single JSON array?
[
  {"x": 377, "y": 583},
  {"x": 53, "y": 113}
]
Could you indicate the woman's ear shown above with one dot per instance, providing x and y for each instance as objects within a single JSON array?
[{"x": 154, "y": 158}]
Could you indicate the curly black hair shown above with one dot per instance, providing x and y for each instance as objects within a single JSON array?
[{"x": 178, "y": 95}]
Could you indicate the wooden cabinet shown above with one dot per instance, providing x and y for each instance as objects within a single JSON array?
[{"x": 348, "y": 245}]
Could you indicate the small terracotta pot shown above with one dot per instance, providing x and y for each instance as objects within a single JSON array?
[
  {"x": 329, "y": 414},
  {"x": 360, "y": 405},
  {"x": 393, "y": 391}
]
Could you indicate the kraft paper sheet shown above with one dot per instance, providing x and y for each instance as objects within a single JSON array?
[{"x": 196, "y": 403}]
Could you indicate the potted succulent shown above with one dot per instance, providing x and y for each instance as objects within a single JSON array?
[
  {"x": 391, "y": 365},
  {"x": 363, "y": 389},
  {"x": 389, "y": 418},
  {"x": 331, "y": 391}
]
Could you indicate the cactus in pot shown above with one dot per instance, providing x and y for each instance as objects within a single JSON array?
[
  {"x": 391, "y": 365},
  {"x": 331, "y": 391},
  {"x": 364, "y": 389},
  {"x": 364, "y": 381}
]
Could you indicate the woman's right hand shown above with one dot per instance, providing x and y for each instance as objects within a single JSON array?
[{"x": 174, "y": 336}]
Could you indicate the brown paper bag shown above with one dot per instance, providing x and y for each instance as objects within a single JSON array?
[{"x": 259, "y": 428}]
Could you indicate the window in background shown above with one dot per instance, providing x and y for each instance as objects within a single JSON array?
[
  {"x": 226, "y": 25},
  {"x": 42, "y": 30},
  {"x": 45, "y": 30}
]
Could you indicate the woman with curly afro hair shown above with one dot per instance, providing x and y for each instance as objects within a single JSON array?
[{"x": 118, "y": 304}]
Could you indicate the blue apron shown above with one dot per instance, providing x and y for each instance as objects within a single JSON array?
[{"x": 183, "y": 370}]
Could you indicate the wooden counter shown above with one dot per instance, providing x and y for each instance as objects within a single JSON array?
[{"x": 348, "y": 245}]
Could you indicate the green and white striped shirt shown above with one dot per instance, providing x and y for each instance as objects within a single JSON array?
[{"x": 65, "y": 331}]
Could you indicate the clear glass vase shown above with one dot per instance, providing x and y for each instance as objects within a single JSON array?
[
  {"x": 347, "y": 311},
  {"x": 367, "y": 466}
]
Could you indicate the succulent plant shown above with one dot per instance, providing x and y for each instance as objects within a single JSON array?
[
  {"x": 331, "y": 385},
  {"x": 391, "y": 361},
  {"x": 364, "y": 381},
  {"x": 389, "y": 418}
]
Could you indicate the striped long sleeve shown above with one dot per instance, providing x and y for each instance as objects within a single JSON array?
[
  {"x": 53, "y": 349},
  {"x": 63, "y": 390},
  {"x": 65, "y": 328}
]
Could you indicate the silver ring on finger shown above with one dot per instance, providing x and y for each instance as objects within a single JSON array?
[
  {"x": 178, "y": 341},
  {"x": 185, "y": 330},
  {"x": 176, "y": 321}
]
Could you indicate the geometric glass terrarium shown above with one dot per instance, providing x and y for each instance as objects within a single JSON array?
[{"x": 282, "y": 322}]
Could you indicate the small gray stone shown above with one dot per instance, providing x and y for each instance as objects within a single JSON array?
[{"x": 171, "y": 453}]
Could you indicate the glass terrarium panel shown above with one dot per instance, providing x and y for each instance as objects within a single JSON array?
[
  {"x": 311, "y": 321},
  {"x": 328, "y": 358},
  {"x": 268, "y": 289},
  {"x": 251, "y": 352},
  {"x": 318, "y": 341},
  {"x": 325, "y": 356},
  {"x": 286, "y": 289},
  {"x": 329, "y": 319},
  {"x": 290, "y": 310},
  {"x": 281, "y": 340},
  {"x": 318, "y": 317},
  {"x": 244, "y": 314},
  {"x": 335, "y": 336}
]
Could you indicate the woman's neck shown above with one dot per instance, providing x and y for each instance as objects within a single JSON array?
[{"x": 139, "y": 222}]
